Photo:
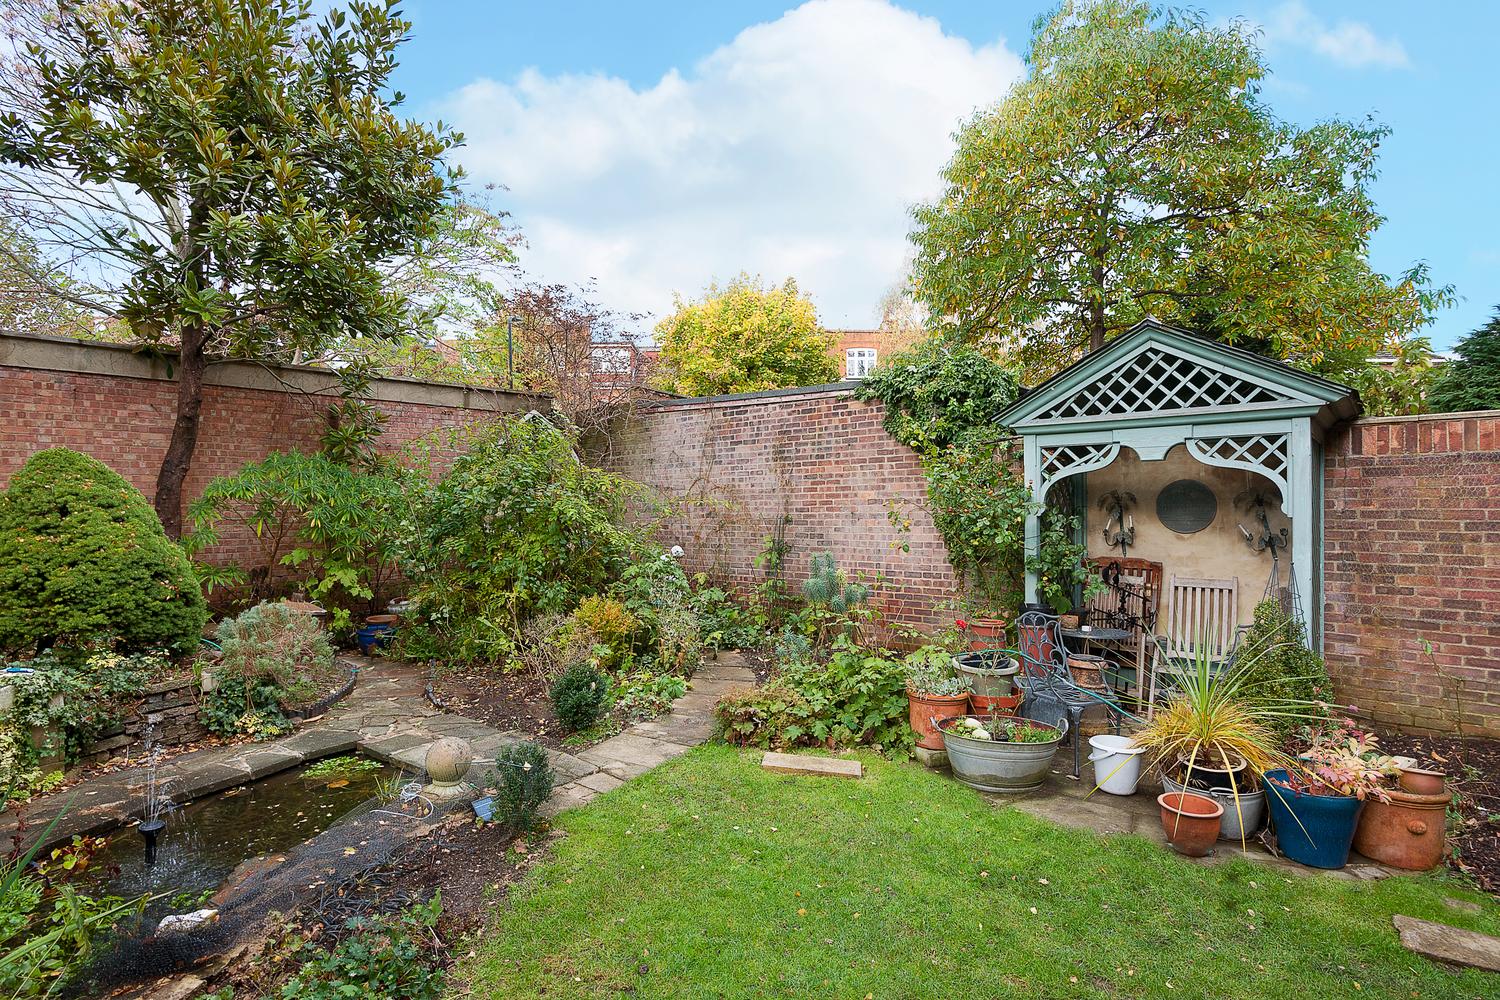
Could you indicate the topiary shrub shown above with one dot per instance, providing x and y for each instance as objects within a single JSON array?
[
  {"x": 83, "y": 556},
  {"x": 523, "y": 781},
  {"x": 578, "y": 696}
]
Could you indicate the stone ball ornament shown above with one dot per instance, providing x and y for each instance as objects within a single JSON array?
[{"x": 448, "y": 762}]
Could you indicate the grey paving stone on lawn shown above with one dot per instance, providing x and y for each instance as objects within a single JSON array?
[
  {"x": 1449, "y": 944},
  {"x": 795, "y": 763}
]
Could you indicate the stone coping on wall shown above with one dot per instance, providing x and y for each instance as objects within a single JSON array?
[
  {"x": 66, "y": 354},
  {"x": 768, "y": 395}
]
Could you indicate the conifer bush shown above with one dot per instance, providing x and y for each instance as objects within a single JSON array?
[{"x": 83, "y": 557}]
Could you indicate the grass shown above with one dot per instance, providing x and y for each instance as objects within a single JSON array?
[{"x": 709, "y": 877}]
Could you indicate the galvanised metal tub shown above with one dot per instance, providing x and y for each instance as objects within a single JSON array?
[{"x": 995, "y": 766}]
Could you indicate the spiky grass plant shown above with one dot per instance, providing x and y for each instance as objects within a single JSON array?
[{"x": 1219, "y": 715}]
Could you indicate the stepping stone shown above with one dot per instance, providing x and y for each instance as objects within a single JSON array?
[
  {"x": 834, "y": 767},
  {"x": 1449, "y": 944},
  {"x": 315, "y": 743}
]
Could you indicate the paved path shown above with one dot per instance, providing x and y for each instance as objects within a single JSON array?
[
  {"x": 1069, "y": 803},
  {"x": 388, "y": 717}
]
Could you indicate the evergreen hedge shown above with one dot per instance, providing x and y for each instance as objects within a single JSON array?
[{"x": 84, "y": 557}]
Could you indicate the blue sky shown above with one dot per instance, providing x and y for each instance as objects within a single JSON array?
[{"x": 654, "y": 147}]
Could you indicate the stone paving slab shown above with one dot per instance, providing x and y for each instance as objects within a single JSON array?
[{"x": 1449, "y": 944}]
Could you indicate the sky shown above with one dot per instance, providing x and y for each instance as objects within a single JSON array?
[{"x": 655, "y": 147}]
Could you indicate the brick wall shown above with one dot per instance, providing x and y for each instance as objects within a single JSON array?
[
  {"x": 817, "y": 457},
  {"x": 118, "y": 406},
  {"x": 1412, "y": 553},
  {"x": 1412, "y": 531}
]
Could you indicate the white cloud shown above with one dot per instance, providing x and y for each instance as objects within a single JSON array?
[
  {"x": 795, "y": 149},
  {"x": 1349, "y": 43}
]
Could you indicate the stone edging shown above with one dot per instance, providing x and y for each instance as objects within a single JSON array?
[{"x": 326, "y": 702}]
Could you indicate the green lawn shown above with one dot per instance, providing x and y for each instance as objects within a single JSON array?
[{"x": 711, "y": 878}]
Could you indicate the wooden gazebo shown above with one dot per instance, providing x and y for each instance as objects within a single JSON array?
[{"x": 1157, "y": 387}]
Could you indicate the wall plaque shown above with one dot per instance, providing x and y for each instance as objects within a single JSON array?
[{"x": 1186, "y": 506}]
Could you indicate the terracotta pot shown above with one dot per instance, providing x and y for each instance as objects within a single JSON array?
[
  {"x": 1069, "y": 621},
  {"x": 382, "y": 619},
  {"x": 995, "y": 705},
  {"x": 1087, "y": 673},
  {"x": 1419, "y": 782},
  {"x": 1406, "y": 832},
  {"x": 1191, "y": 822},
  {"x": 986, "y": 633},
  {"x": 926, "y": 710}
]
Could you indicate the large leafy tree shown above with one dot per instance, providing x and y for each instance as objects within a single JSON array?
[
  {"x": 232, "y": 176},
  {"x": 1472, "y": 381},
  {"x": 745, "y": 337},
  {"x": 1137, "y": 171}
]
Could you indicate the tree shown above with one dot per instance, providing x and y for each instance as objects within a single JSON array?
[
  {"x": 230, "y": 174},
  {"x": 746, "y": 337},
  {"x": 1472, "y": 380},
  {"x": 1136, "y": 171},
  {"x": 83, "y": 557}
]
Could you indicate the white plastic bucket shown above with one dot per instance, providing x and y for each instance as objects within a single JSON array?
[{"x": 1117, "y": 763}]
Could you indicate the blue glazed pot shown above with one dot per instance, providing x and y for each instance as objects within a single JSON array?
[
  {"x": 373, "y": 637},
  {"x": 1314, "y": 830}
]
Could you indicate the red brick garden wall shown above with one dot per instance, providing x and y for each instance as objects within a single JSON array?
[
  {"x": 125, "y": 420},
  {"x": 818, "y": 458},
  {"x": 1412, "y": 532},
  {"x": 1412, "y": 553}
]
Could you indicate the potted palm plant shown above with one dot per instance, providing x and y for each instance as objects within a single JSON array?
[{"x": 1217, "y": 730}]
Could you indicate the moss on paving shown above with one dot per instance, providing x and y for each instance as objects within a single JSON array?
[{"x": 709, "y": 877}]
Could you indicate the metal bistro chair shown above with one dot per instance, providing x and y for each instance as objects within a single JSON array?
[{"x": 1051, "y": 693}]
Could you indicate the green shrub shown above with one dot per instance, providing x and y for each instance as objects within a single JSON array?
[
  {"x": 270, "y": 655},
  {"x": 1282, "y": 668},
  {"x": 656, "y": 591},
  {"x": 341, "y": 526},
  {"x": 83, "y": 556},
  {"x": 857, "y": 697},
  {"x": 389, "y": 957},
  {"x": 272, "y": 643},
  {"x": 578, "y": 696},
  {"x": 518, "y": 527},
  {"x": 523, "y": 782}
]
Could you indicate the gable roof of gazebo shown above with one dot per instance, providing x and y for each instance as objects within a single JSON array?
[{"x": 1158, "y": 374}]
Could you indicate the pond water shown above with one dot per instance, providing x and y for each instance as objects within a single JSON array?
[{"x": 206, "y": 840}]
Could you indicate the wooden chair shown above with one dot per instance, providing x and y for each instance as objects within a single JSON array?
[
  {"x": 1202, "y": 616},
  {"x": 1131, "y": 600}
]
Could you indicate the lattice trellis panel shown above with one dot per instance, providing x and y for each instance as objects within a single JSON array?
[
  {"x": 1268, "y": 454},
  {"x": 1071, "y": 459},
  {"x": 1154, "y": 381}
]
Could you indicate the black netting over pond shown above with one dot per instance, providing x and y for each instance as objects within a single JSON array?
[{"x": 285, "y": 842}]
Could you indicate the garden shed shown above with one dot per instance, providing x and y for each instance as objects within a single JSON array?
[{"x": 1199, "y": 459}]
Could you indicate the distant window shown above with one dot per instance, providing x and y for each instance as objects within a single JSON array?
[
  {"x": 612, "y": 360},
  {"x": 859, "y": 362}
]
